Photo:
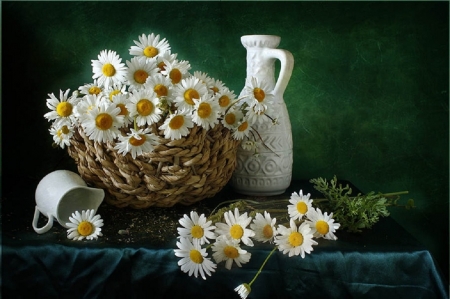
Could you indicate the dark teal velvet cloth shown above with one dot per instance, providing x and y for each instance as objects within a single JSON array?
[{"x": 384, "y": 262}]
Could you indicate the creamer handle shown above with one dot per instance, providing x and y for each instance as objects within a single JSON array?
[{"x": 46, "y": 227}]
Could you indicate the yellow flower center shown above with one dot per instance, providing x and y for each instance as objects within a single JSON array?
[
  {"x": 161, "y": 90},
  {"x": 242, "y": 127},
  {"x": 204, "y": 110},
  {"x": 161, "y": 66},
  {"x": 64, "y": 130},
  {"x": 113, "y": 93},
  {"x": 85, "y": 228},
  {"x": 144, "y": 107},
  {"x": 259, "y": 94},
  {"x": 302, "y": 208},
  {"x": 196, "y": 256},
  {"x": 137, "y": 142},
  {"x": 104, "y": 121},
  {"x": 151, "y": 51},
  {"x": 267, "y": 231},
  {"x": 295, "y": 239},
  {"x": 197, "y": 231},
  {"x": 236, "y": 231},
  {"x": 108, "y": 70},
  {"x": 175, "y": 75},
  {"x": 231, "y": 252},
  {"x": 176, "y": 122},
  {"x": 64, "y": 109},
  {"x": 215, "y": 89},
  {"x": 230, "y": 118},
  {"x": 140, "y": 76},
  {"x": 322, "y": 227},
  {"x": 94, "y": 90},
  {"x": 123, "y": 109},
  {"x": 190, "y": 95},
  {"x": 224, "y": 101}
]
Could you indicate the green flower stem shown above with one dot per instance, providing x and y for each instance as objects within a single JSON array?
[{"x": 262, "y": 266}]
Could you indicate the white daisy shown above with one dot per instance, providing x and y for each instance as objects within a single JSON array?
[
  {"x": 166, "y": 56},
  {"x": 177, "y": 125},
  {"x": 232, "y": 118},
  {"x": 108, "y": 69},
  {"x": 143, "y": 104},
  {"x": 149, "y": 46},
  {"x": 217, "y": 86},
  {"x": 90, "y": 88},
  {"x": 196, "y": 228},
  {"x": 295, "y": 241},
  {"x": 103, "y": 124},
  {"x": 235, "y": 227},
  {"x": 121, "y": 101},
  {"x": 228, "y": 250},
  {"x": 242, "y": 130},
  {"x": 137, "y": 142},
  {"x": 258, "y": 94},
  {"x": 249, "y": 145},
  {"x": 161, "y": 85},
  {"x": 176, "y": 70},
  {"x": 322, "y": 225},
  {"x": 85, "y": 225},
  {"x": 139, "y": 70},
  {"x": 204, "y": 78},
  {"x": 225, "y": 99},
  {"x": 264, "y": 227},
  {"x": 115, "y": 89},
  {"x": 206, "y": 112},
  {"x": 62, "y": 108},
  {"x": 300, "y": 205},
  {"x": 189, "y": 89},
  {"x": 87, "y": 104},
  {"x": 259, "y": 116},
  {"x": 62, "y": 132},
  {"x": 243, "y": 290},
  {"x": 194, "y": 259}
]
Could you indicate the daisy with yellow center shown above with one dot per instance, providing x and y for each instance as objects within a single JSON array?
[
  {"x": 149, "y": 46},
  {"x": 300, "y": 205},
  {"x": 217, "y": 86},
  {"x": 121, "y": 101},
  {"x": 264, "y": 227},
  {"x": 206, "y": 112},
  {"x": 62, "y": 109},
  {"x": 85, "y": 225},
  {"x": 177, "y": 125},
  {"x": 228, "y": 250},
  {"x": 205, "y": 79},
  {"x": 232, "y": 118},
  {"x": 102, "y": 124},
  {"x": 295, "y": 241},
  {"x": 176, "y": 70},
  {"x": 196, "y": 228},
  {"x": 161, "y": 60},
  {"x": 108, "y": 69},
  {"x": 236, "y": 227},
  {"x": 62, "y": 132},
  {"x": 258, "y": 95},
  {"x": 139, "y": 70},
  {"x": 242, "y": 129},
  {"x": 322, "y": 224},
  {"x": 87, "y": 104},
  {"x": 194, "y": 259},
  {"x": 161, "y": 86},
  {"x": 114, "y": 90},
  {"x": 225, "y": 98},
  {"x": 90, "y": 88},
  {"x": 137, "y": 142},
  {"x": 187, "y": 91},
  {"x": 144, "y": 106}
]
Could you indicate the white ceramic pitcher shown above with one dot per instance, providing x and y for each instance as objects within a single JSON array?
[{"x": 61, "y": 193}]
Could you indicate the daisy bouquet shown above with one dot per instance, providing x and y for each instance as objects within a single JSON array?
[
  {"x": 152, "y": 132},
  {"x": 230, "y": 232}
]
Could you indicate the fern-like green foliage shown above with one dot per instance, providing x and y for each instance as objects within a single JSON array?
[{"x": 355, "y": 213}]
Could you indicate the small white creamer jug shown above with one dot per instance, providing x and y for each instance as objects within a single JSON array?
[{"x": 61, "y": 193}]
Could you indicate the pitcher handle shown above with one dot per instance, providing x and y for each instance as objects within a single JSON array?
[
  {"x": 287, "y": 65},
  {"x": 46, "y": 227}
]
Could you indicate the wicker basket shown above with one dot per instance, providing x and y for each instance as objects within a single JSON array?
[{"x": 181, "y": 171}]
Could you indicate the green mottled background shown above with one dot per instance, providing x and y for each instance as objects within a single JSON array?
[{"x": 368, "y": 98}]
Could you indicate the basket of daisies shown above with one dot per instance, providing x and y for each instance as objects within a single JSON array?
[{"x": 149, "y": 132}]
